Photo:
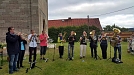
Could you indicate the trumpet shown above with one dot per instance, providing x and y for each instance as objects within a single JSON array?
[{"x": 22, "y": 35}]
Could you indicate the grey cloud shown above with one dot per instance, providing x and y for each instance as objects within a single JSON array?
[{"x": 62, "y": 8}]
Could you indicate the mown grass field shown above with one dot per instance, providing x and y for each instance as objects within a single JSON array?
[{"x": 90, "y": 66}]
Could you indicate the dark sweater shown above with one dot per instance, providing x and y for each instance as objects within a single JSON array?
[
  {"x": 24, "y": 43},
  {"x": 83, "y": 41},
  {"x": 93, "y": 42},
  {"x": 70, "y": 39},
  {"x": 13, "y": 46}
]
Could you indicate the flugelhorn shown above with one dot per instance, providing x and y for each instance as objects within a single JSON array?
[{"x": 22, "y": 35}]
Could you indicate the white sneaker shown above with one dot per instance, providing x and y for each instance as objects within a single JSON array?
[{"x": 72, "y": 57}]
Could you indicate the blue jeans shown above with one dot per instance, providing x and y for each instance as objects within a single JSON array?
[
  {"x": 119, "y": 51},
  {"x": 13, "y": 58},
  {"x": 70, "y": 50}
]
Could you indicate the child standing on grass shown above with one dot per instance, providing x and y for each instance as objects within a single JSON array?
[{"x": 61, "y": 47}]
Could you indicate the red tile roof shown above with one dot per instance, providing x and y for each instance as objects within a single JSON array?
[
  {"x": 74, "y": 22},
  {"x": 123, "y": 34}
]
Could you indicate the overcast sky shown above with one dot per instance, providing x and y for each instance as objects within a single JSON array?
[{"x": 62, "y": 9}]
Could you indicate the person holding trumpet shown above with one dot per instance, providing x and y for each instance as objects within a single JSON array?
[
  {"x": 93, "y": 38},
  {"x": 32, "y": 38},
  {"x": 71, "y": 39},
  {"x": 83, "y": 45},
  {"x": 43, "y": 44},
  {"x": 13, "y": 48},
  {"x": 61, "y": 46},
  {"x": 22, "y": 42},
  {"x": 103, "y": 44}
]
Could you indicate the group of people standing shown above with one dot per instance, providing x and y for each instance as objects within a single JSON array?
[
  {"x": 93, "y": 39},
  {"x": 16, "y": 48}
]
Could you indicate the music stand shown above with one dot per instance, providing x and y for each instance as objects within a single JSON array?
[
  {"x": 98, "y": 56},
  {"x": 110, "y": 49},
  {"x": 54, "y": 52}
]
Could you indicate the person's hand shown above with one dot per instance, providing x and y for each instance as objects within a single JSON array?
[
  {"x": 80, "y": 38},
  {"x": 33, "y": 34},
  {"x": 19, "y": 33}
]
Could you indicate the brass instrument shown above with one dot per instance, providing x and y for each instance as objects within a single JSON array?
[
  {"x": 114, "y": 39},
  {"x": 63, "y": 37},
  {"x": 92, "y": 34},
  {"x": 104, "y": 36},
  {"x": 75, "y": 33},
  {"x": 22, "y": 35}
]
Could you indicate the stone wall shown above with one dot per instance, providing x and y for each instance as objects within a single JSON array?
[{"x": 24, "y": 15}]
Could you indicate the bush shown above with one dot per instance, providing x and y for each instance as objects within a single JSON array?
[{"x": 53, "y": 32}]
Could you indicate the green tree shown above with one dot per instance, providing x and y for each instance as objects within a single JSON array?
[{"x": 110, "y": 28}]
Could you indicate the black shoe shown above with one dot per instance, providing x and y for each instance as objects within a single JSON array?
[
  {"x": 83, "y": 56},
  {"x": 80, "y": 57},
  {"x": 44, "y": 58},
  {"x": 0, "y": 67},
  {"x": 95, "y": 58},
  {"x": 10, "y": 72},
  {"x": 21, "y": 66},
  {"x": 16, "y": 70},
  {"x": 60, "y": 57},
  {"x": 40, "y": 58}
]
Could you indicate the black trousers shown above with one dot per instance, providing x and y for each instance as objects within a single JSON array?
[
  {"x": 43, "y": 50},
  {"x": 94, "y": 50},
  {"x": 104, "y": 50},
  {"x": 32, "y": 51},
  {"x": 20, "y": 58},
  {"x": 61, "y": 51}
]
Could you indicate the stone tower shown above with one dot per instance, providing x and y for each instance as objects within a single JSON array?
[{"x": 23, "y": 15}]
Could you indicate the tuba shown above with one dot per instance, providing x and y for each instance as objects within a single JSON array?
[{"x": 114, "y": 40}]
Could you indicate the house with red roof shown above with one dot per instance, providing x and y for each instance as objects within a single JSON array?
[{"x": 74, "y": 22}]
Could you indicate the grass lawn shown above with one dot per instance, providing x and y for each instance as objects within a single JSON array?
[{"x": 86, "y": 66}]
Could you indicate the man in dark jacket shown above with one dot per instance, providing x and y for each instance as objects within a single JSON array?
[{"x": 13, "y": 48}]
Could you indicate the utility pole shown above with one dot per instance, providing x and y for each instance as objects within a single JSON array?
[
  {"x": 88, "y": 22},
  {"x": 30, "y": 14}
]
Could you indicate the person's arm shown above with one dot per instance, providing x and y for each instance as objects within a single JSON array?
[
  {"x": 74, "y": 38},
  {"x": 41, "y": 38},
  {"x": 58, "y": 39},
  {"x": 120, "y": 39},
  {"x": 99, "y": 38},
  {"x": 12, "y": 39},
  {"x": 80, "y": 38},
  {"x": 30, "y": 37},
  {"x": 25, "y": 42}
]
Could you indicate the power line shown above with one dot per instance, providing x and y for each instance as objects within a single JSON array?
[{"x": 114, "y": 11}]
